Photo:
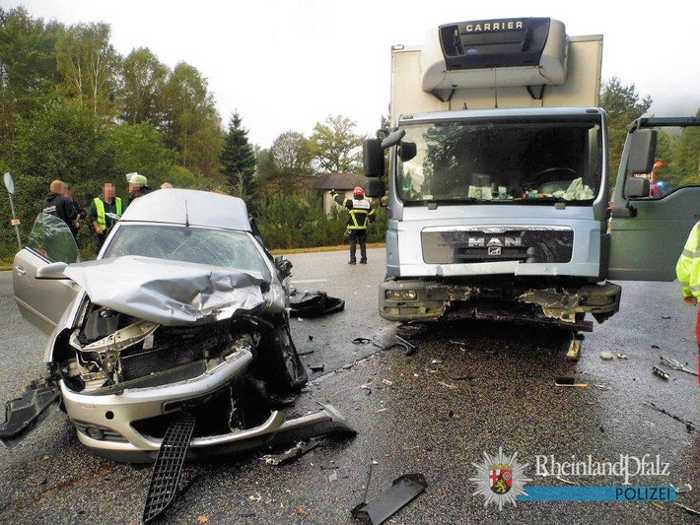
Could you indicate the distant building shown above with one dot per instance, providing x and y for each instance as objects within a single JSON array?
[{"x": 343, "y": 183}]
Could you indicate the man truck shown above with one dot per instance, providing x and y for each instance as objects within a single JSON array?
[{"x": 499, "y": 200}]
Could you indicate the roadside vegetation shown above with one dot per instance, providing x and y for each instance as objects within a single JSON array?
[{"x": 73, "y": 108}]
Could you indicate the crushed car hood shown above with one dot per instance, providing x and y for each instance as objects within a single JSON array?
[{"x": 167, "y": 292}]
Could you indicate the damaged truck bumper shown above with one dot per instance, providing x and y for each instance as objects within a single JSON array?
[
  {"x": 108, "y": 424},
  {"x": 431, "y": 300}
]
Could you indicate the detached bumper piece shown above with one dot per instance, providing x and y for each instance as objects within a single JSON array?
[
  {"x": 167, "y": 471},
  {"x": 313, "y": 304},
  {"x": 23, "y": 414},
  {"x": 403, "y": 490}
]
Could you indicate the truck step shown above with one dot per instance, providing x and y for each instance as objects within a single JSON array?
[{"x": 167, "y": 471}]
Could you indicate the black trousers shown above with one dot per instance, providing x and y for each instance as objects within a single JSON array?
[{"x": 358, "y": 237}]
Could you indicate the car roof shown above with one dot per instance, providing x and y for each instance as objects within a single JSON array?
[{"x": 193, "y": 207}]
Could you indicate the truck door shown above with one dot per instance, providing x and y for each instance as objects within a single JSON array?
[
  {"x": 652, "y": 213},
  {"x": 43, "y": 301}
]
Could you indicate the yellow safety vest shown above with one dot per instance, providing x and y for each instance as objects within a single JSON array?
[
  {"x": 100, "y": 207},
  {"x": 359, "y": 216},
  {"x": 688, "y": 265}
]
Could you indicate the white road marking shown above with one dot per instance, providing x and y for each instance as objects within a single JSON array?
[{"x": 305, "y": 281}]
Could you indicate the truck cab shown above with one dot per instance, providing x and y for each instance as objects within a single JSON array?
[{"x": 499, "y": 195}]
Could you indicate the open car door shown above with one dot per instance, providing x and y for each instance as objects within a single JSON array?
[
  {"x": 43, "y": 299},
  {"x": 648, "y": 227}
]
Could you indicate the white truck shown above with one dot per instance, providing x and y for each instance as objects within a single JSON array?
[{"x": 498, "y": 181}]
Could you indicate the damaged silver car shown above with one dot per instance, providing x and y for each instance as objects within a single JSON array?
[{"x": 184, "y": 312}]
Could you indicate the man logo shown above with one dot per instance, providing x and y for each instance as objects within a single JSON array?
[{"x": 500, "y": 479}]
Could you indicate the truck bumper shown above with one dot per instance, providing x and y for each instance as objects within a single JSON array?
[{"x": 427, "y": 300}]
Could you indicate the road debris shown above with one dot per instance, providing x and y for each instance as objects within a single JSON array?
[
  {"x": 570, "y": 382},
  {"x": 689, "y": 510},
  {"x": 447, "y": 385},
  {"x": 565, "y": 481},
  {"x": 676, "y": 365},
  {"x": 318, "y": 367},
  {"x": 606, "y": 356},
  {"x": 660, "y": 373},
  {"x": 292, "y": 454},
  {"x": 687, "y": 487},
  {"x": 689, "y": 425},
  {"x": 602, "y": 387},
  {"x": 622, "y": 356},
  {"x": 403, "y": 490},
  {"x": 313, "y": 304},
  {"x": 387, "y": 382},
  {"x": 307, "y": 352},
  {"x": 361, "y": 341},
  {"x": 202, "y": 519}
]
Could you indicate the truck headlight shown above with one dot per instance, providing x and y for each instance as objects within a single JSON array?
[{"x": 398, "y": 295}]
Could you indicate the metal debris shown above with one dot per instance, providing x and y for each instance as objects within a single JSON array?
[
  {"x": 294, "y": 453},
  {"x": 660, "y": 373},
  {"x": 403, "y": 490},
  {"x": 689, "y": 510},
  {"x": 676, "y": 365},
  {"x": 570, "y": 382}
]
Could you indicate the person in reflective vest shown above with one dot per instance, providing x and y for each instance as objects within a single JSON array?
[
  {"x": 104, "y": 213},
  {"x": 688, "y": 273},
  {"x": 361, "y": 213}
]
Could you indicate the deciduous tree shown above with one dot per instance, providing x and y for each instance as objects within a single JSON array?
[{"x": 335, "y": 145}]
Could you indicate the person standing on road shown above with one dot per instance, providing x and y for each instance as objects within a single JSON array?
[
  {"x": 137, "y": 186},
  {"x": 80, "y": 213},
  {"x": 104, "y": 213},
  {"x": 58, "y": 205},
  {"x": 361, "y": 213},
  {"x": 688, "y": 273}
]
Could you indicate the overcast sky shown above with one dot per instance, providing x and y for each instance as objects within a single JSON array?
[{"x": 286, "y": 65}]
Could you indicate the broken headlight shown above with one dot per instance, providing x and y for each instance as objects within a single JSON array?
[{"x": 401, "y": 295}]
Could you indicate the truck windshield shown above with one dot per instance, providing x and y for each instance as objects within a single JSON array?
[{"x": 502, "y": 162}]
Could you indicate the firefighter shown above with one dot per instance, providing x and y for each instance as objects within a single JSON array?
[
  {"x": 688, "y": 273},
  {"x": 104, "y": 213},
  {"x": 57, "y": 204},
  {"x": 137, "y": 186},
  {"x": 361, "y": 213}
]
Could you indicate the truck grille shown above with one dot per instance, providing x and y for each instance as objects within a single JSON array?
[{"x": 532, "y": 245}]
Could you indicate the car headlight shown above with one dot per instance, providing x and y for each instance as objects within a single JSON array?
[{"x": 398, "y": 295}]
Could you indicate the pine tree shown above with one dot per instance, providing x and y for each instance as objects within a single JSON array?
[{"x": 238, "y": 160}]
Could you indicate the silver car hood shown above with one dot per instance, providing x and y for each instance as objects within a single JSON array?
[{"x": 167, "y": 292}]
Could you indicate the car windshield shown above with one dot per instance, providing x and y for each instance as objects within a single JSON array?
[
  {"x": 228, "y": 249},
  {"x": 502, "y": 162}
]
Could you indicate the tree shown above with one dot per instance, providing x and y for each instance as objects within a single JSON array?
[
  {"x": 623, "y": 105},
  {"x": 191, "y": 120},
  {"x": 687, "y": 156},
  {"x": 140, "y": 147},
  {"x": 335, "y": 145},
  {"x": 238, "y": 159},
  {"x": 143, "y": 81},
  {"x": 89, "y": 65},
  {"x": 291, "y": 152}
]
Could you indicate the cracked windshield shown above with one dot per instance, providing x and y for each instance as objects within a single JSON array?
[{"x": 503, "y": 162}]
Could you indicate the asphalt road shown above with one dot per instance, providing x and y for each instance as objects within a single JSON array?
[{"x": 434, "y": 412}]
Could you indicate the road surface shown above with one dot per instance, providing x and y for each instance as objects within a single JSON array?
[{"x": 435, "y": 413}]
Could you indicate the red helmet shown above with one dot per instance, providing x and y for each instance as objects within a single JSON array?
[
  {"x": 358, "y": 192},
  {"x": 659, "y": 164}
]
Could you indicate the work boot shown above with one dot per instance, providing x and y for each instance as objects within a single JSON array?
[
  {"x": 352, "y": 262},
  {"x": 363, "y": 261}
]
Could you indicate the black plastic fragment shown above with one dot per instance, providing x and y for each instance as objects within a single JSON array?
[
  {"x": 313, "y": 304},
  {"x": 23, "y": 414},
  {"x": 403, "y": 490},
  {"x": 167, "y": 471}
]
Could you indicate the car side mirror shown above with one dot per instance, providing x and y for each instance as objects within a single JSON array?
[
  {"x": 284, "y": 266},
  {"x": 52, "y": 271},
  {"x": 375, "y": 188},
  {"x": 373, "y": 158},
  {"x": 642, "y": 151},
  {"x": 407, "y": 150},
  {"x": 636, "y": 187}
]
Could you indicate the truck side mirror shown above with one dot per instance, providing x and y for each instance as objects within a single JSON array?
[
  {"x": 407, "y": 150},
  {"x": 636, "y": 187},
  {"x": 375, "y": 188},
  {"x": 642, "y": 151},
  {"x": 373, "y": 157}
]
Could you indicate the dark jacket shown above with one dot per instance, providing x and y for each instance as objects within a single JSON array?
[
  {"x": 140, "y": 193},
  {"x": 61, "y": 207}
]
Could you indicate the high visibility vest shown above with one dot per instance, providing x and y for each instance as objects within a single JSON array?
[
  {"x": 359, "y": 214},
  {"x": 100, "y": 207},
  {"x": 688, "y": 265}
]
